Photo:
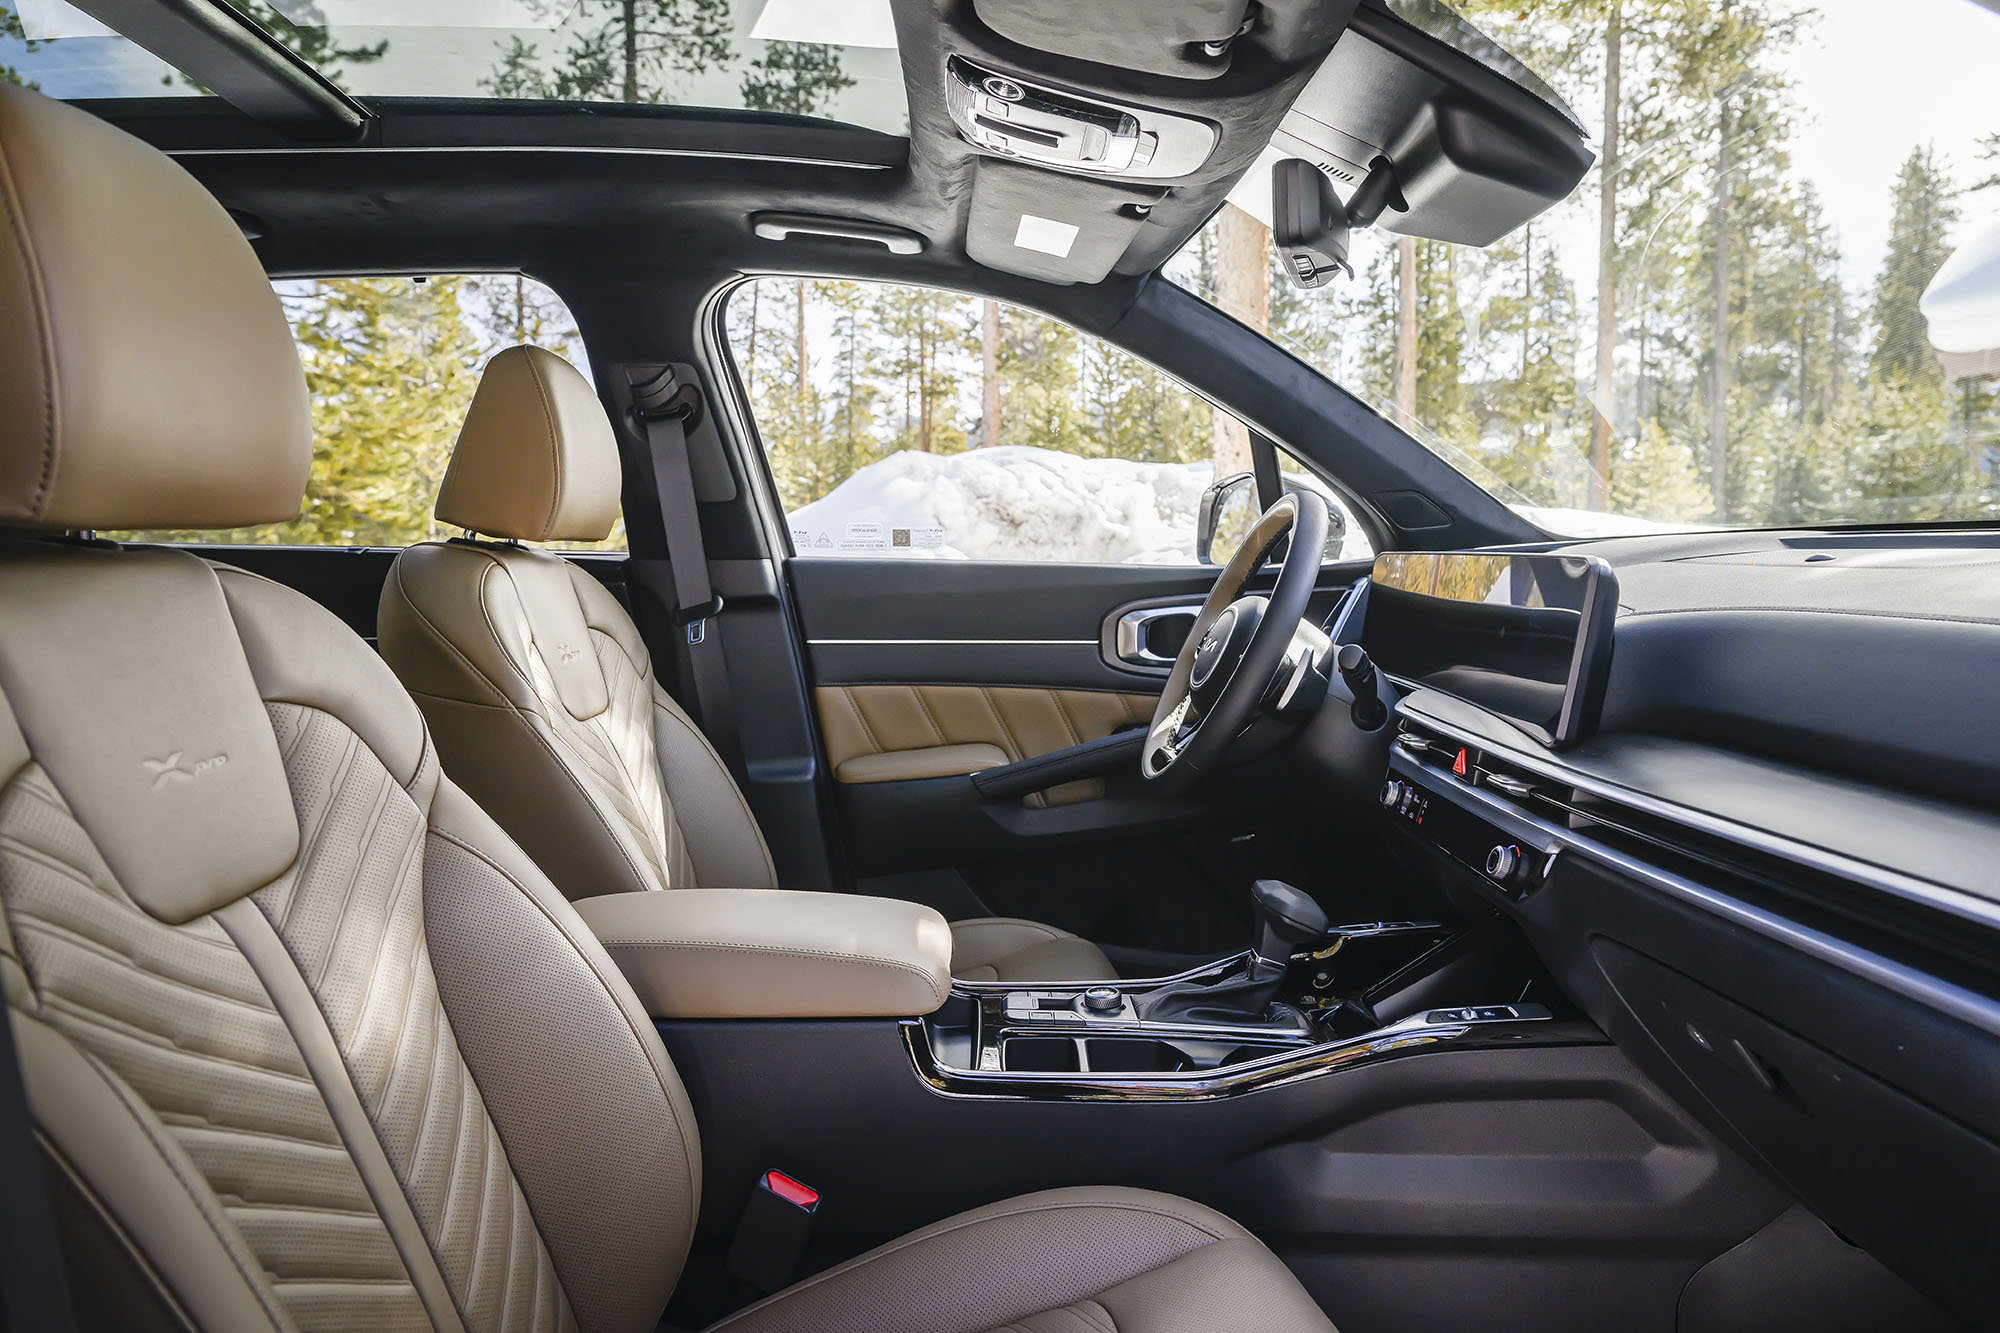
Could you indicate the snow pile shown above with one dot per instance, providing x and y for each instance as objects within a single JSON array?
[{"x": 1015, "y": 502}]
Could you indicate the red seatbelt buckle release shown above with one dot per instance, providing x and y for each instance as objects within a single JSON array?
[{"x": 772, "y": 1233}]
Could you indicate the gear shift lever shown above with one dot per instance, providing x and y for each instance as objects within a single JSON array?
[{"x": 1287, "y": 920}]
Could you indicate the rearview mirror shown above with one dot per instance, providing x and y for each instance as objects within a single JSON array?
[
  {"x": 1228, "y": 510},
  {"x": 1308, "y": 223}
]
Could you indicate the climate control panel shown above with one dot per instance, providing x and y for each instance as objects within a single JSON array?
[{"x": 1509, "y": 863}]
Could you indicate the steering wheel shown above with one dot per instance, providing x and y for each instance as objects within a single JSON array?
[{"x": 1236, "y": 646}]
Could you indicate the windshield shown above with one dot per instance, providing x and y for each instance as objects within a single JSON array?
[
  {"x": 800, "y": 57},
  {"x": 1775, "y": 301}
]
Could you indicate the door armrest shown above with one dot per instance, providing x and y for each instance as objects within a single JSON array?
[
  {"x": 774, "y": 953},
  {"x": 1091, "y": 759}
]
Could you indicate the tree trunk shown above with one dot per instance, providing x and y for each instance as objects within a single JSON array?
[
  {"x": 924, "y": 394},
  {"x": 1607, "y": 272},
  {"x": 630, "y": 18},
  {"x": 750, "y": 353},
  {"x": 1718, "y": 389},
  {"x": 1527, "y": 297},
  {"x": 1243, "y": 281},
  {"x": 989, "y": 370},
  {"x": 520, "y": 309},
  {"x": 805, "y": 370},
  {"x": 1406, "y": 328}
]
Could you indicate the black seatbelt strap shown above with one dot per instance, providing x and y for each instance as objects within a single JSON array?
[
  {"x": 667, "y": 408},
  {"x": 33, "y": 1295}
]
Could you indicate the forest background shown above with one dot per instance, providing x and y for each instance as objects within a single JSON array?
[{"x": 1723, "y": 367}]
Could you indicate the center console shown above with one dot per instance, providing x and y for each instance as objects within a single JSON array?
[{"x": 1304, "y": 1000}]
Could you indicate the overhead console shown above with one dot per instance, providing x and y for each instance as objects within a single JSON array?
[{"x": 1131, "y": 133}]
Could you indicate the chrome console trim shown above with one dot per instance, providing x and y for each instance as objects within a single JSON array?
[{"x": 1528, "y": 1024}]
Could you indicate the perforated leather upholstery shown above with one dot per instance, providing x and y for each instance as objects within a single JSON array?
[
  {"x": 542, "y": 697},
  {"x": 308, "y": 1042}
]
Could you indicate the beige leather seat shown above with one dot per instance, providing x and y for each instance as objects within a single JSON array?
[
  {"x": 541, "y": 694},
  {"x": 308, "y": 1042}
]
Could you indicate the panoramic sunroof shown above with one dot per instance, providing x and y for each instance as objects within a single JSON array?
[{"x": 804, "y": 57}]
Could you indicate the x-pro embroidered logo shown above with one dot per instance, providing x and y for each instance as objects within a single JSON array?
[
  {"x": 567, "y": 653},
  {"x": 172, "y": 769}
]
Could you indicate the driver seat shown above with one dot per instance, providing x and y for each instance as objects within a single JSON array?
[
  {"x": 541, "y": 694},
  {"x": 307, "y": 1042}
]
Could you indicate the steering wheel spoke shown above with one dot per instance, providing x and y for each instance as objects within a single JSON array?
[{"x": 1238, "y": 643}]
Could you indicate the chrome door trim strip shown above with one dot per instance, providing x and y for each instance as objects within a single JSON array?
[
  {"x": 1967, "y": 1006},
  {"x": 1942, "y": 897},
  {"x": 969, "y": 643}
]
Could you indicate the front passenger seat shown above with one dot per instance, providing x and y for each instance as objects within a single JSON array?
[{"x": 541, "y": 693}]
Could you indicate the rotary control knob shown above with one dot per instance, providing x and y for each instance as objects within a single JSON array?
[
  {"x": 1392, "y": 794},
  {"x": 1502, "y": 861},
  {"x": 1102, "y": 999}
]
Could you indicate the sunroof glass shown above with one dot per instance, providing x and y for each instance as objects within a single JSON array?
[
  {"x": 803, "y": 57},
  {"x": 64, "y": 52}
]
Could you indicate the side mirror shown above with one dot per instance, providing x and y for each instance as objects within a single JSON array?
[
  {"x": 1228, "y": 509},
  {"x": 1308, "y": 223}
]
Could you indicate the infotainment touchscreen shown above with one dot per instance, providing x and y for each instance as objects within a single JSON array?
[{"x": 1525, "y": 636}]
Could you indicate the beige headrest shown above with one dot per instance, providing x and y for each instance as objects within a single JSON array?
[
  {"x": 148, "y": 378},
  {"x": 536, "y": 460}
]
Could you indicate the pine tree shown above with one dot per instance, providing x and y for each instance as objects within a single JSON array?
[
  {"x": 616, "y": 50},
  {"x": 1040, "y": 382},
  {"x": 1923, "y": 214},
  {"x": 797, "y": 78},
  {"x": 310, "y": 39},
  {"x": 390, "y": 367}
]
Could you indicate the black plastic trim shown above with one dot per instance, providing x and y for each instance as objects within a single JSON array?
[
  {"x": 1088, "y": 760},
  {"x": 242, "y": 64}
]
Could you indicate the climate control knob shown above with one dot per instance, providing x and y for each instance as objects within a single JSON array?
[
  {"x": 1502, "y": 861},
  {"x": 1392, "y": 794}
]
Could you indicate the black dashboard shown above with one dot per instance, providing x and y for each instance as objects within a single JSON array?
[{"x": 1773, "y": 874}]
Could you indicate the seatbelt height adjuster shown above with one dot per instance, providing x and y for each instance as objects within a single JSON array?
[
  {"x": 667, "y": 395},
  {"x": 771, "y": 1236},
  {"x": 696, "y": 618}
]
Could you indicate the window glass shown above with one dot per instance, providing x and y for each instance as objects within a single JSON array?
[
  {"x": 1775, "y": 301},
  {"x": 390, "y": 365},
  {"x": 797, "y": 57},
  {"x": 910, "y": 422}
]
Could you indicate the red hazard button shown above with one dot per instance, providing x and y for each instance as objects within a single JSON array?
[{"x": 1458, "y": 765}]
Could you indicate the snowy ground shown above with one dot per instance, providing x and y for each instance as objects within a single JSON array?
[
  {"x": 1023, "y": 503},
  {"x": 1011, "y": 503}
]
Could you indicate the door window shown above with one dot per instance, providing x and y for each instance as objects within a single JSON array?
[
  {"x": 906, "y": 422},
  {"x": 390, "y": 366}
]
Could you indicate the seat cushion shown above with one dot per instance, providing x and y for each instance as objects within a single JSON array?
[
  {"x": 1005, "y": 948},
  {"x": 1095, "y": 1260}
]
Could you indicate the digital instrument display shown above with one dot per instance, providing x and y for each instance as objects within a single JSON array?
[{"x": 1524, "y": 636}]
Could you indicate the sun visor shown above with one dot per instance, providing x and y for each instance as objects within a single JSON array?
[
  {"x": 1049, "y": 225},
  {"x": 1183, "y": 39}
]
